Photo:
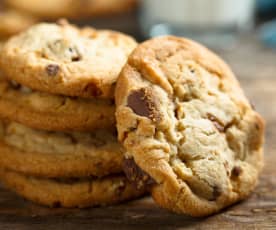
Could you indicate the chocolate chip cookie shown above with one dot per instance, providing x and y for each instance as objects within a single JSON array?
[
  {"x": 57, "y": 154},
  {"x": 53, "y": 9},
  {"x": 54, "y": 112},
  {"x": 72, "y": 61},
  {"x": 190, "y": 133},
  {"x": 71, "y": 193}
]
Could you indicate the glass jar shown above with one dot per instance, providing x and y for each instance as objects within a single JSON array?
[{"x": 213, "y": 22}]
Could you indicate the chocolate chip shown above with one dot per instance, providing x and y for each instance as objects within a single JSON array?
[
  {"x": 236, "y": 171},
  {"x": 220, "y": 127},
  {"x": 52, "y": 70},
  {"x": 75, "y": 55},
  {"x": 75, "y": 59},
  {"x": 93, "y": 90},
  {"x": 144, "y": 104},
  {"x": 136, "y": 175},
  {"x": 216, "y": 192}
]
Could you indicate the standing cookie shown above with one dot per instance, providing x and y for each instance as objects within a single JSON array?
[
  {"x": 72, "y": 62},
  {"x": 189, "y": 131}
]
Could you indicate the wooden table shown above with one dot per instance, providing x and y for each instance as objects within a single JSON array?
[{"x": 256, "y": 69}]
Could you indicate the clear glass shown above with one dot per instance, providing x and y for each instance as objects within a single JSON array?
[{"x": 212, "y": 22}]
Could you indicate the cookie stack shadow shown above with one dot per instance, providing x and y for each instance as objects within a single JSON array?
[{"x": 58, "y": 137}]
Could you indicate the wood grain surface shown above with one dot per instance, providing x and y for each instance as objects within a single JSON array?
[{"x": 255, "y": 67}]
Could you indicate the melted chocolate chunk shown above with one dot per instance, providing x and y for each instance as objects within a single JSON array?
[
  {"x": 236, "y": 171},
  {"x": 135, "y": 174},
  {"x": 143, "y": 104},
  {"x": 52, "y": 70},
  {"x": 75, "y": 59}
]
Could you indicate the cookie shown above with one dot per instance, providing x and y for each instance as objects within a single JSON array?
[
  {"x": 190, "y": 133},
  {"x": 54, "y": 9},
  {"x": 57, "y": 154},
  {"x": 54, "y": 112},
  {"x": 72, "y": 62},
  {"x": 73, "y": 193},
  {"x": 13, "y": 22}
]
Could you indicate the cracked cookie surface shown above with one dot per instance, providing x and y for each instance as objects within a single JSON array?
[
  {"x": 72, "y": 61},
  {"x": 53, "y": 112},
  {"x": 56, "y": 154},
  {"x": 186, "y": 124},
  {"x": 74, "y": 193}
]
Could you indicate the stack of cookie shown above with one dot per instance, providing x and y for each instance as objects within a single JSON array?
[{"x": 58, "y": 138}]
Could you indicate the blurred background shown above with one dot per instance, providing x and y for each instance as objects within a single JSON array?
[{"x": 216, "y": 23}]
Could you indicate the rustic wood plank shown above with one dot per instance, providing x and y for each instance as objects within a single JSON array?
[{"x": 256, "y": 68}]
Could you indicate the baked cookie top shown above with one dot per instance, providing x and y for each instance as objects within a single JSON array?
[
  {"x": 57, "y": 154},
  {"x": 54, "y": 112},
  {"x": 53, "y": 9},
  {"x": 73, "y": 62},
  {"x": 188, "y": 129}
]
